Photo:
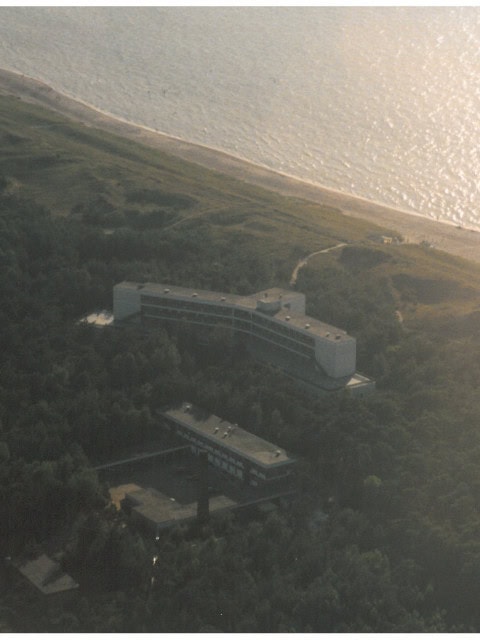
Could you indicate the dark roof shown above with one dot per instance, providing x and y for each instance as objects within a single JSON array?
[{"x": 161, "y": 511}]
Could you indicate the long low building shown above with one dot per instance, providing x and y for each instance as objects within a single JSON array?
[
  {"x": 274, "y": 317},
  {"x": 154, "y": 511},
  {"x": 231, "y": 449}
]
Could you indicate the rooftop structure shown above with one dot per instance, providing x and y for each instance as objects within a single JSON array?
[
  {"x": 276, "y": 317},
  {"x": 47, "y": 576},
  {"x": 237, "y": 452}
]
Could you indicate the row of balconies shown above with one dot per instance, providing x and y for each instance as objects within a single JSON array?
[
  {"x": 227, "y": 312},
  {"x": 204, "y": 443},
  {"x": 272, "y": 333}
]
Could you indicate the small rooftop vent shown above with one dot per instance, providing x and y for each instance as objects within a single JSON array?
[
  {"x": 225, "y": 434},
  {"x": 166, "y": 291},
  {"x": 287, "y": 318},
  {"x": 327, "y": 335},
  {"x": 217, "y": 429},
  {"x": 194, "y": 295},
  {"x": 223, "y": 298},
  {"x": 277, "y": 453},
  {"x": 307, "y": 326},
  {"x": 187, "y": 408}
]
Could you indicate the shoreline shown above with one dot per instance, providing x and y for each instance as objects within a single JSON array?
[{"x": 414, "y": 227}]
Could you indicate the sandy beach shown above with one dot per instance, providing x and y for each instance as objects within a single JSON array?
[{"x": 414, "y": 228}]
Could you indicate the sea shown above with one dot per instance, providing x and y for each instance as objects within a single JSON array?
[{"x": 377, "y": 102}]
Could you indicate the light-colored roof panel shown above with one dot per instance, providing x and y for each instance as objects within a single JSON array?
[
  {"x": 47, "y": 575},
  {"x": 151, "y": 288},
  {"x": 126, "y": 284},
  {"x": 312, "y": 326}
]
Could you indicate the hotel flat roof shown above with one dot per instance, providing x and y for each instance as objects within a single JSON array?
[
  {"x": 155, "y": 288},
  {"x": 312, "y": 326},
  {"x": 229, "y": 436}
]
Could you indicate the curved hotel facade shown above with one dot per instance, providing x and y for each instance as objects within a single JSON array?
[{"x": 273, "y": 322}]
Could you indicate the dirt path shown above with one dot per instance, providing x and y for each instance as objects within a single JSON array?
[{"x": 304, "y": 261}]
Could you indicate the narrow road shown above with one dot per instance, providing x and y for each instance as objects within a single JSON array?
[
  {"x": 304, "y": 261},
  {"x": 142, "y": 456}
]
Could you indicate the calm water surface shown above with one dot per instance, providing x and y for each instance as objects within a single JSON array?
[{"x": 378, "y": 102}]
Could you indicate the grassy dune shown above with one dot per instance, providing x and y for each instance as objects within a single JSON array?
[
  {"x": 112, "y": 182},
  {"x": 63, "y": 164}
]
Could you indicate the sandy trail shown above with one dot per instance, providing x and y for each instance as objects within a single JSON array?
[
  {"x": 304, "y": 261},
  {"x": 414, "y": 228}
]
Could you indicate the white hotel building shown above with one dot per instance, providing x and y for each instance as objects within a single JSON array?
[{"x": 273, "y": 321}]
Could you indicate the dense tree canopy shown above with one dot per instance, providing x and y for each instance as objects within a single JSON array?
[{"x": 383, "y": 535}]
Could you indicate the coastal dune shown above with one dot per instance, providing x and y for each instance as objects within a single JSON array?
[{"x": 413, "y": 227}]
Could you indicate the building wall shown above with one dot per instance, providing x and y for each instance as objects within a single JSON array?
[
  {"x": 336, "y": 357},
  {"x": 282, "y": 335},
  {"x": 247, "y": 321},
  {"x": 126, "y": 301},
  {"x": 165, "y": 307}
]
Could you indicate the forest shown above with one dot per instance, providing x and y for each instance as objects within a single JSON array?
[{"x": 395, "y": 475}]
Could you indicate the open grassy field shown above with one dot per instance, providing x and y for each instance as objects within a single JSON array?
[{"x": 433, "y": 289}]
